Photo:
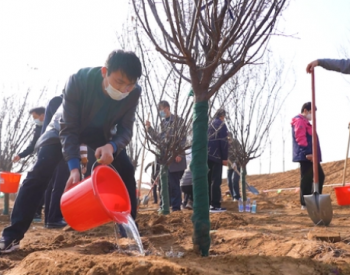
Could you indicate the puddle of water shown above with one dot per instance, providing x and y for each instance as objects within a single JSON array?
[{"x": 128, "y": 229}]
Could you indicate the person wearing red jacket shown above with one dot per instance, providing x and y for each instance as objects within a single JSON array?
[{"x": 302, "y": 152}]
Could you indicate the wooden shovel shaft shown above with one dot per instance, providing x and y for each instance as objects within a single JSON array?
[
  {"x": 314, "y": 134},
  {"x": 346, "y": 157}
]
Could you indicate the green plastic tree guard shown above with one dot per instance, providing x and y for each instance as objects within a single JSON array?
[{"x": 199, "y": 169}]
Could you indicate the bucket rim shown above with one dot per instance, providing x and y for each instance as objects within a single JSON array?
[
  {"x": 6, "y": 172},
  {"x": 94, "y": 187}
]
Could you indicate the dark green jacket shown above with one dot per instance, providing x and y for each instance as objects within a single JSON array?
[{"x": 81, "y": 102}]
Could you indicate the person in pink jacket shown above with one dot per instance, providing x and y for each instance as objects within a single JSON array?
[{"x": 302, "y": 152}]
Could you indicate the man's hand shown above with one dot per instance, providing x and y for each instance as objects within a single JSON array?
[
  {"x": 104, "y": 154},
  {"x": 310, "y": 67},
  {"x": 178, "y": 159},
  {"x": 309, "y": 157},
  {"x": 73, "y": 179},
  {"x": 224, "y": 162},
  {"x": 147, "y": 124},
  {"x": 16, "y": 159}
]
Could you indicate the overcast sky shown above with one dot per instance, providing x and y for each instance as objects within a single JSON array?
[{"x": 44, "y": 41}]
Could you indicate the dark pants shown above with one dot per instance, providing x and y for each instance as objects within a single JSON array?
[
  {"x": 155, "y": 173},
  {"x": 188, "y": 191},
  {"x": 54, "y": 193},
  {"x": 214, "y": 183},
  {"x": 306, "y": 179},
  {"x": 35, "y": 184},
  {"x": 175, "y": 190},
  {"x": 233, "y": 183}
]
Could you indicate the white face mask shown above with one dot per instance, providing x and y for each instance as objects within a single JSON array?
[
  {"x": 38, "y": 122},
  {"x": 309, "y": 117},
  {"x": 114, "y": 93}
]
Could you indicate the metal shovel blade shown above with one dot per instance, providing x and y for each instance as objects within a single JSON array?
[
  {"x": 319, "y": 208},
  {"x": 145, "y": 200}
]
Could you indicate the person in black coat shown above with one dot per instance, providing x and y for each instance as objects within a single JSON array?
[
  {"x": 217, "y": 157},
  {"x": 38, "y": 115}
]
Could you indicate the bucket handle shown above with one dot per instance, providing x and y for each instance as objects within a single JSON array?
[{"x": 93, "y": 167}]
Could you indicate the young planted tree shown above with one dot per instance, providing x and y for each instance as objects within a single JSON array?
[
  {"x": 256, "y": 95},
  {"x": 166, "y": 140},
  {"x": 214, "y": 39}
]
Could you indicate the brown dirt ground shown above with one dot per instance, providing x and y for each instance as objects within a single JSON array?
[{"x": 272, "y": 242}]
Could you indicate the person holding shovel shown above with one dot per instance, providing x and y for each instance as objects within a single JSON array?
[
  {"x": 99, "y": 106},
  {"x": 338, "y": 65},
  {"x": 302, "y": 152}
]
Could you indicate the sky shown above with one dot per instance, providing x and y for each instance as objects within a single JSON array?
[{"x": 44, "y": 41}]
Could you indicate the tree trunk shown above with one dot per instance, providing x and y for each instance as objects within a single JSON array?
[
  {"x": 165, "y": 189},
  {"x": 243, "y": 185},
  {"x": 199, "y": 169}
]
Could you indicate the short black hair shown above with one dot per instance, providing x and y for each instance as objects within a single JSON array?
[
  {"x": 127, "y": 62},
  {"x": 164, "y": 104},
  {"x": 37, "y": 110},
  {"x": 219, "y": 113},
  {"x": 307, "y": 106}
]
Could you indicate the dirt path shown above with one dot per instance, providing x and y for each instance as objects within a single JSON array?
[{"x": 277, "y": 240}]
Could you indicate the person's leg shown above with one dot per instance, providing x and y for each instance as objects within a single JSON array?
[
  {"x": 39, "y": 210},
  {"x": 236, "y": 178},
  {"x": 210, "y": 174},
  {"x": 321, "y": 178},
  {"x": 126, "y": 171},
  {"x": 31, "y": 191},
  {"x": 230, "y": 182},
  {"x": 306, "y": 179},
  {"x": 154, "y": 190},
  {"x": 48, "y": 193},
  {"x": 59, "y": 183},
  {"x": 216, "y": 185},
  {"x": 174, "y": 189}
]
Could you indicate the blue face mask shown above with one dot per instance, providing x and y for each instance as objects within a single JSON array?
[{"x": 162, "y": 114}]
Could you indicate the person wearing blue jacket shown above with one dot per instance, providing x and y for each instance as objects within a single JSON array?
[{"x": 217, "y": 157}]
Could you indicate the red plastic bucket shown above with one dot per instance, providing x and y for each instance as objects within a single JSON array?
[
  {"x": 343, "y": 194},
  {"x": 10, "y": 182},
  {"x": 96, "y": 200}
]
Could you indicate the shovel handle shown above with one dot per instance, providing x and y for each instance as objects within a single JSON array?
[{"x": 314, "y": 134}]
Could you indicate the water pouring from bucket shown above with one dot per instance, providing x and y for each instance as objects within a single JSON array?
[{"x": 97, "y": 200}]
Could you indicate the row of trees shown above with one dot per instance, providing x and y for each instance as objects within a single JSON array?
[{"x": 206, "y": 43}]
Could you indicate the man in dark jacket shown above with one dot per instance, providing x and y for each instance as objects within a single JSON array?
[
  {"x": 302, "y": 152},
  {"x": 98, "y": 109},
  {"x": 171, "y": 124},
  {"x": 38, "y": 115},
  {"x": 217, "y": 157}
]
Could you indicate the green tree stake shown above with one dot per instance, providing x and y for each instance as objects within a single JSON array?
[
  {"x": 165, "y": 189},
  {"x": 6, "y": 204},
  {"x": 199, "y": 168},
  {"x": 243, "y": 184}
]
